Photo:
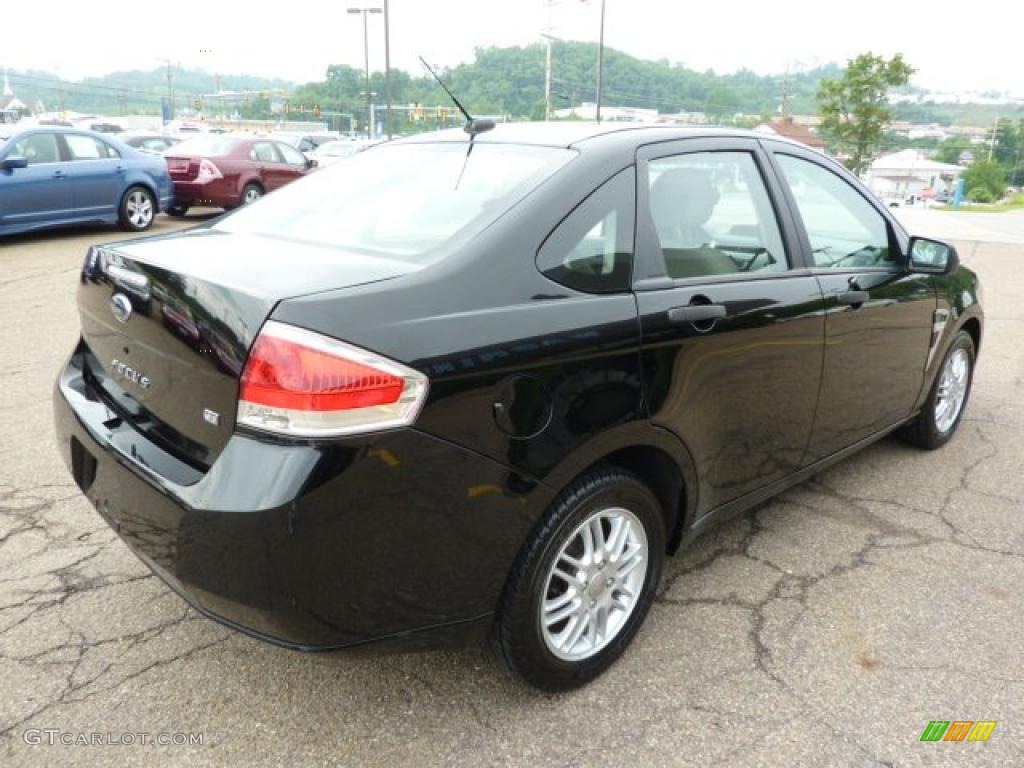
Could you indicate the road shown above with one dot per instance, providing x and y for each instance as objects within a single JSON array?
[{"x": 827, "y": 628}]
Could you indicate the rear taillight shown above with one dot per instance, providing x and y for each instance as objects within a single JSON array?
[
  {"x": 208, "y": 171},
  {"x": 300, "y": 383}
]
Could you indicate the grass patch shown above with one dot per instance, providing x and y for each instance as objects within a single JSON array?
[{"x": 1014, "y": 203}]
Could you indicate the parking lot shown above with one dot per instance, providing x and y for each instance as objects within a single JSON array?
[{"x": 827, "y": 628}]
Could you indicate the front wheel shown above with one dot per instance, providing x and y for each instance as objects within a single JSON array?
[
  {"x": 583, "y": 583},
  {"x": 941, "y": 414},
  {"x": 138, "y": 209}
]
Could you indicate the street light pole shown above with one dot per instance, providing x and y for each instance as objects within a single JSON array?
[
  {"x": 600, "y": 64},
  {"x": 387, "y": 68},
  {"x": 366, "y": 58}
]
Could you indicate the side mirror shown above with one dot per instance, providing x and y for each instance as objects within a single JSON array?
[
  {"x": 13, "y": 161},
  {"x": 311, "y": 163},
  {"x": 932, "y": 256}
]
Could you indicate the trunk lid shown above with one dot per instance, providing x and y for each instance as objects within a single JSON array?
[
  {"x": 182, "y": 168},
  {"x": 168, "y": 321}
]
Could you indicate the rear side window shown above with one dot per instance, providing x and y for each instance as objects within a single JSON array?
[
  {"x": 592, "y": 249},
  {"x": 264, "y": 153},
  {"x": 38, "y": 148},
  {"x": 413, "y": 202},
  {"x": 713, "y": 215},
  {"x": 88, "y": 148}
]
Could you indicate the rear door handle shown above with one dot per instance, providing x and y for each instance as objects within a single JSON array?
[
  {"x": 853, "y": 298},
  {"x": 59, "y": 175},
  {"x": 696, "y": 313}
]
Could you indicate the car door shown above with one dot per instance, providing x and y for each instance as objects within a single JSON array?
[
  {"x": 271, "y": 167},
  {"x": 40, "y": 192},
  {"x": 879, "y": 317},
  {"x": 731, "y": 320},
  {"x": 295, "y": 162},
  {"x": 97, "y": 175}
]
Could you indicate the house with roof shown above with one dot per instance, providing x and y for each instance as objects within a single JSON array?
[
  {"x": 909, "y": 172},
  {"x": 788, "y": 128},
  {"x": 11, "y": 107}
]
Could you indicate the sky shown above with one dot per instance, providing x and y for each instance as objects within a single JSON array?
[{"x": 954, "y": 46}]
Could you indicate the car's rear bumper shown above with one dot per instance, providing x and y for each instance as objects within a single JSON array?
[
  {"x": 218, "y": 193},
  {"x": 314, "y": 546}
]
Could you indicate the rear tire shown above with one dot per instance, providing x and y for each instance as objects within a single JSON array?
[
  {"x": 570, "y": 609},
  {"x": 251, "y": 193},
  {"x": 941, "y": 413},
  {"x": 137, "y": 210}
]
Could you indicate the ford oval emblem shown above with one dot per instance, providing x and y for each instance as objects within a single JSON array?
[{"x": 121, "y": 306}]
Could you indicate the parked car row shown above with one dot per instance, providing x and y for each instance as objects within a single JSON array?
[{"x": 59, "y": 175}]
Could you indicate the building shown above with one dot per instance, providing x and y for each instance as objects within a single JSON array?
[
  {"x": 11, "y": 107},
  {"x": 788, "y": 128},
  {"x": 909, "y": 172},
  {"x": 588, "y": 111}
]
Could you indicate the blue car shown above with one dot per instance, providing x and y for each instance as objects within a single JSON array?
[{"x": 52, "y": 177}]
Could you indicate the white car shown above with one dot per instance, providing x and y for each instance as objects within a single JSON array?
[{"x": 333, "y": 151}]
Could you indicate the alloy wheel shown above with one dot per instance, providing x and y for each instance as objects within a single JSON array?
[
  {"x": 140, "y": 209},
  {"x": 952, "y": 390},
  {"x": 593, "y": 584}
]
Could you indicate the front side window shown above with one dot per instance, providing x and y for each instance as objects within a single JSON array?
[
  {"x": 88, "y": 148},
  {"x": 38, "y": 148},
  {"x": 592, "y": 249},
  {"x": 291, "y": 156},
  {"x": 412, "y": 202},
  {"x": 844, "y": 229},
  {"x": 713, "y": 216}
]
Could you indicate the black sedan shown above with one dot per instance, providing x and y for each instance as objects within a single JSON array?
[{"x": 481, "y": 386}]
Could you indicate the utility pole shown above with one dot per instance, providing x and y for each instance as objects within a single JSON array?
[
  {"x": 547, "y": 76},
  {"x": 366, "y": 58},
  {"x": 170, "y": 86},
  {"x": 992, "y": 143},
  {"x": 387, "y": 69},
  {"x": 600, "y": 64}
]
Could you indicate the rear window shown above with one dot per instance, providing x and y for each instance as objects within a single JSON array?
[
  {"x": 407, "y": 201},
  {"x": 208, "y": 146}
]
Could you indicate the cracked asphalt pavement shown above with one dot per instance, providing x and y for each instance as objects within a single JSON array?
[{"x": 826, "y": 628}]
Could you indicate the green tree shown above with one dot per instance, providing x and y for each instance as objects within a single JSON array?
[
  {"x": 987, "y": 177},
  {"x": 951, "y": 149},
  {"x": 1009, "y": 149},
  {"x": 854, "y": 107}
]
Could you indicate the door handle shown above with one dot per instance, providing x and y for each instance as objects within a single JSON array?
[
  {"x": 59, "y": 174},
  {"x": 853, "y": 298},
  {"x": 119, "y": 169},
  {"x": 697, "y": 313}
]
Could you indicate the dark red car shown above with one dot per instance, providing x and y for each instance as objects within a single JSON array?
[{"x": 225, "y": 171}]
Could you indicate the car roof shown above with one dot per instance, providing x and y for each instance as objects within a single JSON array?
[{"x": 573, "y": 133}]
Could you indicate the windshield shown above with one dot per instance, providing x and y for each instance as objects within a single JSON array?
[
  {"x": 402, "y": 201},
  {"x": 206, "y": 146}
]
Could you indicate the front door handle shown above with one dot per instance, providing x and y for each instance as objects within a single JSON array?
[
  {"x": 59, "y": 175},
  {"x": 696, "y": 313},
  {"x": 853, "y": 298}
]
